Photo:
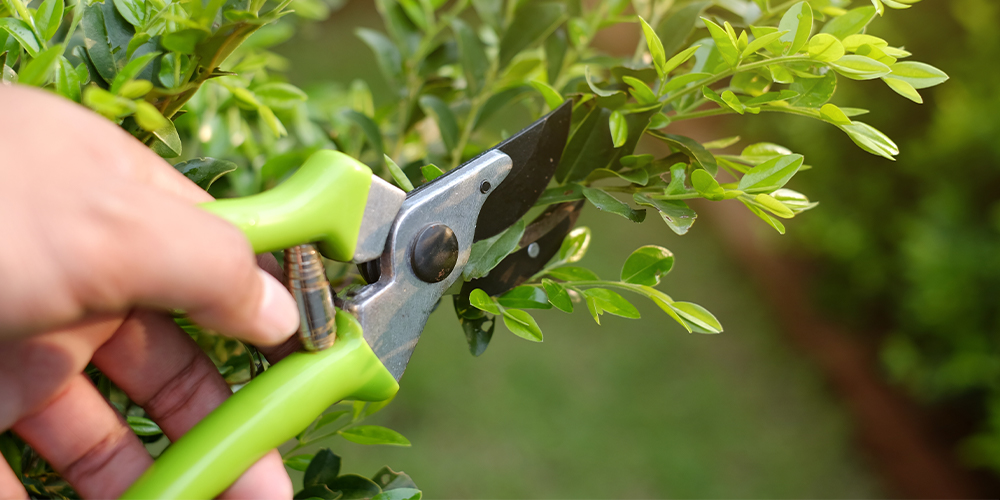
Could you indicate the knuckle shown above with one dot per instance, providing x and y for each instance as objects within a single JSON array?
[
  {"x": 179, "y": 392},
  {"x": 99, "y": 458}
]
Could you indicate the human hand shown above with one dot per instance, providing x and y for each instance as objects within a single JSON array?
[{"x": 99, "y": 234}]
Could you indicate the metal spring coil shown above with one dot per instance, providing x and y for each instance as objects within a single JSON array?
[{"x": 305, "y": 277}]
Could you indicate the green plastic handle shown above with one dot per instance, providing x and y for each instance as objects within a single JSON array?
[
  {"x": 265, "y": 413},
  {"x": 323, "y": 202}
]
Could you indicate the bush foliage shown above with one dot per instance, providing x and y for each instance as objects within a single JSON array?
[{"x": 196, "y": 82}]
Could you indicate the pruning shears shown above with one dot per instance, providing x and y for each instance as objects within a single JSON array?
[{"x": 411, "y": 248}]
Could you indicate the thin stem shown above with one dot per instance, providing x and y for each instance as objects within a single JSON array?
[
  {"x": 724, "y": 111},
  {"x": 732, "y": 71}
]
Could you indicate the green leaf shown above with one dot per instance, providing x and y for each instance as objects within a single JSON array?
[
  {"x": 574, "y": 246},
  {"x": 205, "y": 171},
  {"x": 758, "y": 153},
  {"x": 724, "y": 43},
  {"x": 500, "y": 100},
  {"x": 323, "y": 468},
  {"x": 588, "y": 148},
  {"x": 431, "y": 172},
  {"x": 677, "y": 27},
  {"x": 770, "y": 97},
  {"x": 707, "y": 186},
  {"x": 397, "y": 175},
  {"x": 486, "y": 254},
  {"x": 389, "y": 480},
  {"x": 851, "y": 23},
  {"x": 183, "y": 41},
  {"x": 571, "y": 273},
  {"x": 525, "y": 297},
  {"x": 374, "y": 434},
  {"x": 858, "y": 67},
  {"x": 279, "y": 95},
  {"x": 168, "y": 143},
  {"x": 693, "y": 149},
  {"x": 677, "y": 214},
  {"x": 49, "y": 17},
  {"x": 642, "y": 93},
  {"x": 472, "y": 56},
  {"x": 834, "y": 115},
  {"x": 698, "y": 316},
  {"x": 175, "y": 69},
  {"x": 766, "y": 217},
  {"x": 759, "y": 43},
  {"x": 132, "y": 10},
  {"x": 142, "y": 426},
  {"x": 329, "y": 418},
  {"x": 814, "y": 92},
  {"x": 67, "y": 81},
  {"x": 871, "y": 139},
  {"x": 11, "y": 451},
  {"x": 557, "y": 295},
  {"x": 476, "y": 324},
  {"x": 646, "y": 265},
  {"x": 605, "y": 202},
  {"x": 386, "y": 55},
  {"x": 533, "y": 21},
  {"x": 106, "y": 103},
  {"x": 132, "y": 70},
  {"x": 97, "y": 43},
  {"x": 272, "y": 121},
  {"x": 798, "y": 22},
  {"x": 918, "y": 74},
  {"x": 134, "y": 89},
  {"x": 319, "y": 491},
  {"x": 733, "y": 102},
  {"x": 825, "y": 47},
  {"x": 368, "y": 126},
  {"x": 445, "y": 119},
  {"x": 904, "y": 89},
  {"x": 771, "y": 175},
  {"x": 38, "y": 72},
  {"x": 146, "y": 115},
  {"x": 556, "y": 46},
  {"x": 655, "y": 47},
  {"x": 22, "y": 33},
  {"x": 595, "y": 89},
  {"x": 399, "y": 494},
  {"x": 298, "y": 462},
  {"x": 774, "y": 206},
  {"x": 609, "y": 301},
  {"x": 681, "y": 81},
  {"x": 552, "y": 97},
  {"x": 522, "y": 324},
  {"x": 619, "y": 129},
  {"x": 354, "y": 487}
]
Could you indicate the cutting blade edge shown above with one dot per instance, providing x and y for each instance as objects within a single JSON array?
[{"x": 535, "y": 152}]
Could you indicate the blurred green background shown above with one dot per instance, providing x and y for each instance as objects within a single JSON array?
[{"x": 908, "y": 252}]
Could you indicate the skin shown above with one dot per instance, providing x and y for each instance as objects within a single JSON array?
[{"x": 100, "y": 236}]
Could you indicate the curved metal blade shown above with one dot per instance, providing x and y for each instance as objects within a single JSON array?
[
  {"x": 535, "y": 151},
  {"x": 541, "y": 241}
]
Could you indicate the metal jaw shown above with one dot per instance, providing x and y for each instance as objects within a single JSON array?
[
  {"x": 384, "y": 201},
  {"x": 393, "y": 310}
]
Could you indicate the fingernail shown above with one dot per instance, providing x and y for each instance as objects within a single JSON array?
[{"x": 279, "y": 316}]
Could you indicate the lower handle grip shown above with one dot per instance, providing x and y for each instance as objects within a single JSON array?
[{"x": 265, "y": 413}]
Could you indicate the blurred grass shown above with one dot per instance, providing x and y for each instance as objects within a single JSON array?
[{"x": 629, "y": 409}]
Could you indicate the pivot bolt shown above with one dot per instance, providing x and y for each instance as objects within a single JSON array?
[{"x": 434, "y": 253}]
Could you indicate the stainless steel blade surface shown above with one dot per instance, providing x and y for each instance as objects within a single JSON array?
[{"x": 536, "y": 152}]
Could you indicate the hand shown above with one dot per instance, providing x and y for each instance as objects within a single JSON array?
[{"x": 98, "y": 235}]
